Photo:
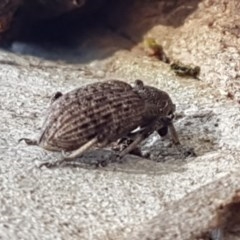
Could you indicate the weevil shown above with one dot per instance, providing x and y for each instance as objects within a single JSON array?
[{"x": 101, "y": 113}]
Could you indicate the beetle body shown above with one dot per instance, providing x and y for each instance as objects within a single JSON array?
[{"x": 106, "y": 110}]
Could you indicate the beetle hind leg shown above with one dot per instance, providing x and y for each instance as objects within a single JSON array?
[
  {"x": 81, "y": 150},
  {"x": 28, "y": 141},
  {"x": 71, "y": 156}
]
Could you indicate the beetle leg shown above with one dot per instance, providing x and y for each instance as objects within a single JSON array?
[
  {"x": 81, "y": 150},
  {"x": 173, "y": 133},
  {"x": 167, "y": 124},
  {"x": 143, "y": 134},
  {"x": 124, "y": 143},
  {"x": 28, "y": 141},
  {"x": 136, "y": 137},
  {"x": 74, "y": 154},
  {"x": 132, "y": 145},
  {"x": 185, "y": 151}
]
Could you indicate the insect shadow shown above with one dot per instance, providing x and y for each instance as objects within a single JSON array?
[{"x": 130, "y": 164}]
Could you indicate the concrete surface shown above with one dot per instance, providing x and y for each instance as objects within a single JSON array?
[{"x": 116, "y": 201}]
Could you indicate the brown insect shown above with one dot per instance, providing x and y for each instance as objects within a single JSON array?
[{"x": 101, "y": 113}]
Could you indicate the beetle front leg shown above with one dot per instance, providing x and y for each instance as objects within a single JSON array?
[
  {"x": 167, "y": 125},
  {"x": 173, "y": 133},
  {"x": 185, "y": 151}
]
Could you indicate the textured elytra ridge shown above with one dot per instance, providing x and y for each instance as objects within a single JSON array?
[{"x": 106, "y": 110}]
